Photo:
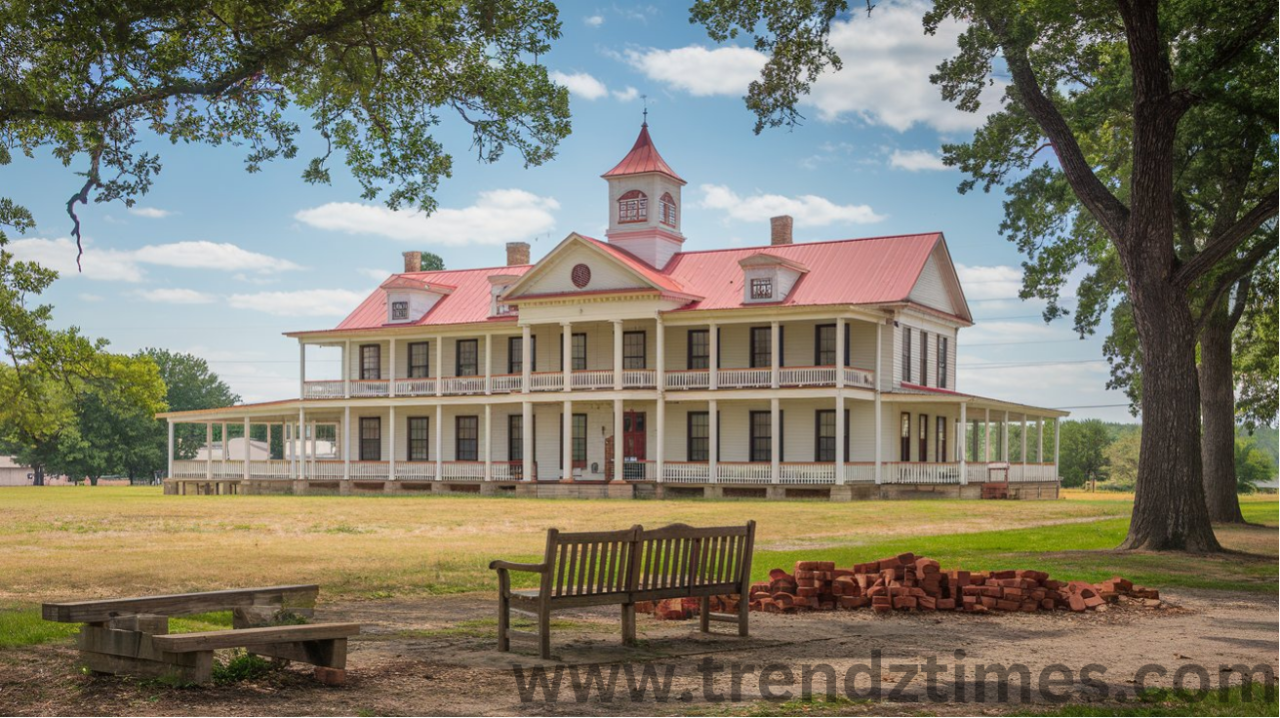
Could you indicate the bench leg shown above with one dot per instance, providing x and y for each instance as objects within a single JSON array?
[
  {"x": 704, "y": 614},
  {"x": 544, "y": 631},
  {"x": 744, "y": 610},
  {"x": 628, "y": 624},
  {"x": 504, "y": 623}
]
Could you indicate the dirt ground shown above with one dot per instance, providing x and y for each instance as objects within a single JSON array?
[{"x": 438, "y": 657}]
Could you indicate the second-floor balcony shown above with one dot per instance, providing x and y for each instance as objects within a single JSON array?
[{"x": 590, "y": 380}]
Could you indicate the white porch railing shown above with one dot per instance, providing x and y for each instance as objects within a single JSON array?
[
  {"x": 463, "y": 470},
  {"x": 854, "y": 376},
  {"x": 325, "y": 470},
  {"x": 369, "y": 470},
  {"x": 688, "y": 379},
  {"x": 369, "y": 387},
  {"x": 455, "y": 385},
  {"x": 416, "y": 387},
  {"x": 508, "y": 470},
  {"x": 592, "y": 379},
  {"x": 269, "y": 469},
  {"x": 807, "y": 375},
  {"x": 324, "y": 390},
  {"x": 686, "y": 472},
  {"x": 744, "y": 472},
  {"x": 744, "y": 378},
  {"x": 546, "y": 381},
  {"x": 188, "y": 469},
  {"x": 822, "y": 472},
  {"x": 920, "y": 472},
  {"x": 415, "y": 470},
  {"x": 639, "y": 378},
  {"x": 860, "y": 472},
  {"x": 506, "y": 383}
]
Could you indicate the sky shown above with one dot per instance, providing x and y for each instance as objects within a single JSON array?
[{"x": 219, "y": 262}]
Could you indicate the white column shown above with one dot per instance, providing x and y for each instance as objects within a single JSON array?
[
  {"x": 775, "y": 441},
  {"x": 391, "y": 443},
  {"x": 346, "y": 375},
  {"x": 566, "y": 353},
  {"x": 879, "y": 413},
  {"x": 1004, "y": 439},
  {"x": 208, "y": 450},
  {"x": 661, "y": 441},
  {"x": 391, "y": 366},
  {"x": 488, "y": 365},
  {"x": 313, "y": 471},
  {"x": 439, "y": 441},
  {"x": 660, "y": 349},
  {"x": 1057, "y": 424},
  {"x": 302, "y": 444},
  {"x": 713, "y": 371},
  {"x": 773, "y": 361},
  {"x": 840, "y": 353},
  {"x": 488, "y": 442},
  {"x": 526, "y": 357},
  {"x": 713, "y": 436},
  {"x": 1040, "y": 440},
  {"x": 566, "y": 440},
  {"x": 840, "y": 429},
  {"x": 526, "y": 432},
  {"x": 986, "y": 437},
  {"x": 439, "y": 368},
  {"x": 964, "y": 445},
  {"x": 286, "y": 430},
  {"x": 1024, "y": 445},
  {"x": 247, "y": 452},
  {"x": 617, "y": 432},
  {"x": 302, "y": 370},
  {"x": 347, "y": 432},
  {"x": 617, "y": 355},
  {"x": 170, "y": 473},
  {"x": 225, "y": 447}
]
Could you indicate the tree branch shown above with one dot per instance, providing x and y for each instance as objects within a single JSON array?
[
  {"x": 1241, "y": 301},
  {"x": 1244, "y": 267},
  {"x": 1224, "y": 244}
]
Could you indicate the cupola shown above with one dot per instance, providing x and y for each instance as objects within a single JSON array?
[
  {"x": 409, "y": 299},
  {"x": 644, "y": 203}
]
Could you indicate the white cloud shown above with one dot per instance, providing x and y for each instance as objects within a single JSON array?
[
  {"x": 175, "y": 296},
  {"x": 916, "y": 160},
  {"x": 211, "y": 255},
  {"x": 885, "y": 80},
  {"x": 993, "y": 282},
  {"x": 698, "y": 70},
  {"x": 107, "y": 265},
  {"x": 580, "y": 84},
  {"x": 808, "y": 210},
  {"x": 301, "y": 303},
  {"x": 150, "y": 212},
  {"x": 377, "y": 275},
  {"x": 497, "y": 217},
  {"x": 626, "y": 95},
  {"x": 593, "y": 20}
]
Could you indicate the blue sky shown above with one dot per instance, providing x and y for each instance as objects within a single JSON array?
[{"x": 218, "y": 262}]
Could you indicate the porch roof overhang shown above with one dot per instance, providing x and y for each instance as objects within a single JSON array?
[
  {"x": 911, "y": 393},
  {"x": 276, "y": 410}
]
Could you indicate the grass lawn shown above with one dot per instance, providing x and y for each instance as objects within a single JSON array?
[{"x": 79, "y": 542}]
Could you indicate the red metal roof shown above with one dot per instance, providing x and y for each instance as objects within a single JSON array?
[
  {"x": 643, "y": 157},
  {"x": 468, "y": 303},
  {"x": 641, "y": 267}
]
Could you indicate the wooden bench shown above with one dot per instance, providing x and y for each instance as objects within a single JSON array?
[
  {"x": 624, "y": 567},
  {"x": 131, "y": 635}
]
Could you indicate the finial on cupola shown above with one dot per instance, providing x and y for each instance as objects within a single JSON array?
[{"x": 645, "y": 100}]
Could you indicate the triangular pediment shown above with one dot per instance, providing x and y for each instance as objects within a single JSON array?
[
  {"x": 583, "y": 265},
  {"x": 938, "y": 286}
]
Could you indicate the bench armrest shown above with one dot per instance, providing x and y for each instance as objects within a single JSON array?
[{"x": 510, "y": 566}]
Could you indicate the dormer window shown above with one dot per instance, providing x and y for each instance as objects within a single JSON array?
[
  {"x": 668, "y": 206},
  {"x": 762, "y": 288},
  {"x": 400, "y": 311},
  {"x": 633, "y": 207}
]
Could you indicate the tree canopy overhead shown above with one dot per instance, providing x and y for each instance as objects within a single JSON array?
[{"x": 376, "y": 77}]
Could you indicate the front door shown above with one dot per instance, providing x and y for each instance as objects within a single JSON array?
[{"x": 633, "y": 444}]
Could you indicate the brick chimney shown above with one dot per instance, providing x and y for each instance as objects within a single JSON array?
[
  {"x": 413, "y": 261},
  {"x": 517, "y": 253},
  {"x": 780, "y": 229}
]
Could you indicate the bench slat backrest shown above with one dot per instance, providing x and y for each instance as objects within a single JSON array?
[
  {"x": 681, "y": 556},
  {"x": 181, "y": 604},
  {"x": 588, "y": 563}
]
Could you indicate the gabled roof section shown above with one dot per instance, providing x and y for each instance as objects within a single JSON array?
[
  {"x": 466, "y": 301},
  {"x": 408, "y": 281},
  {"x": 646, "y": 277},
  {"x": 765, "y": 259},
  {"x": 643, "y": 158},
  {"x": 938, "y": 286}
]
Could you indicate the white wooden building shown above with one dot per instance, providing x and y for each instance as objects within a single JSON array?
[{"x": 820, "y": 369}]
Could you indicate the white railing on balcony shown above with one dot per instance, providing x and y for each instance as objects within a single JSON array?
[
  {"x": 325, "y": 470},
  {"x": 860, "y": 472},
  {"x": 506, "y": 383},
  {"x": 369, "y": 387},
  {"x": 269, "y": 469},
  {"x": 454, "y": 385},
  {"x": 324, "y": 390},
  {"x": 369, "y": 470},
  {"x": 415, "y": 470},
  {"x": 688, "y": 379},
  {"x": 744, "y": 472},
  {"x": 744, "y": 378},
  {"x": 854, "y": 376},
  {"x": 807, "y": 375},
  {"x": 463, "y": 470},
  {"x": 416, "y": 387},
  {"x": 229, "y": 469},
  {"x": 187, "y": 469},
  {"x": 686, "y": 472},
  {"x": 821, "y": 472},
  {"x": 546, "y": 381},
  {"x": 592, "y": 379},
  {"x": 508, "y": 470},
  {"x": 639, "y": 378},
  {"x": 920, "y": 472}
]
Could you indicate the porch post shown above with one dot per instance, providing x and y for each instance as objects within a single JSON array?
[
  {"x": 566, "y": 439},
  {"x": 391, "y": 368},
  {"x": 315, "y": 458},
  {"x": 986, "y": 436},
  {"x": 660, "y": 443},
  {"x": 1004, "y": 439},
  {"x": 526, "y": 356},
  {"x": 302, "y": 444},
  {"x": 713, "y": 371},
  {"x": 302, "y": 369},
  {"x": 617, "y": 428},
  {"x": 617, "y": 357},
  {"x": 840, "y": 359},
  {"x": 170, "y": 472},
  {"x": 660, "y": 356},
  {"x": 1057, "y": 424},
  {"x": 1024, "y": 446},
  {"x": 222, "y": 469},
  {"x": 208, "y": 450},
  {"x": 391, "y": 443},
  {"x": 775, "y": 441},
  {"x": 840, "y": 427},
  {"x": 439, "y": 441},
  {"x": 773, "y": 362},
  {"x": 346, "y": 376},
  {"x": 488, "y": 365},
  {"x": 566, "y": 354},
  {"x": 247, "y": 453},
  {"x": 488, "y": 442},
  {"x": 964, "y": 444},
  {"x": 713, "y": 436},
  {"x": 439, "y": 367},
  {"x": 286, "y": 431},
  {"x": 1040, "y": 440},
  {"x": 660, "y": 383},
  {"x": 526, "y": 432},
  {"x": 346, "y": 440},
  {"x": 878, "y": 410}
]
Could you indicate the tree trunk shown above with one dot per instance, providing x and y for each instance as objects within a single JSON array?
[
  {"x": 1169, "y": 512},
  {"x": 1218, "y": 410},
  {"x": 38, "y": 480}
]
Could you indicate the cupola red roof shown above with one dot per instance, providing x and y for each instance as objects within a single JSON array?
[{"x": 643, "y": 158}]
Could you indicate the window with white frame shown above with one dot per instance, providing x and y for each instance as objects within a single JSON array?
[{"x": 400, "y": 310}]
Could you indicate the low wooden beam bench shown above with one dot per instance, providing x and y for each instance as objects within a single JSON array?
[
  {"x": 623, "y": 567},
  {"x": 131, "y": 635}
]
